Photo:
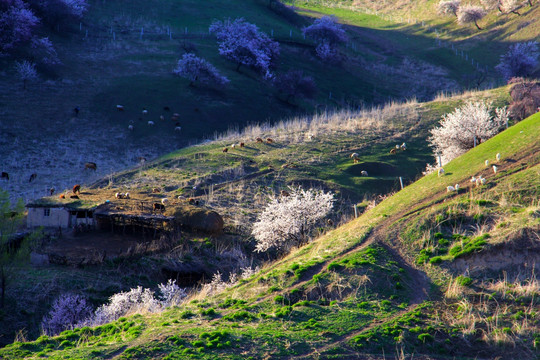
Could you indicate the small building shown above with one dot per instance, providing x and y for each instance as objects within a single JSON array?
[{"x": 47, "y": 213}]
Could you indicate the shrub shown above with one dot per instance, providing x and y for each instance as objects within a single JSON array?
[
  {"x": 464, "y": 280},
  {"x": 294, "y": 84}
]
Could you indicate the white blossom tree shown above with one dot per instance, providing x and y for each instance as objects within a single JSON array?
[
  {"x": 67, "y": 310},
  {"x": 468, "y": 125},
  {"x": 17, "y": 23},
  {"x": 471, "y": 14},
  {"x": 243, "y": 43},
  {"x": 520, "y": 60},
  {"x": 26, "y": 70},
  {"x": 288, "y": 220},
  {"x": 327, "y": 32},
  {"x": 196, "y": 69},
  {"x": 511, "y": 6},
  {"x": 448, "y": 7}
]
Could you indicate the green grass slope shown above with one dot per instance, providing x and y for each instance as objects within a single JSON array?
[{"x": 421, "y": 273}]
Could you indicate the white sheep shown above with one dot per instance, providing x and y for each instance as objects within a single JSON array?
[
  {"x": 181, "y": 197},
  {"x": 483, "y": 181},
  {"x": 118, "y": 195},
  {"x": 161, "y": 117},
  {"x": 144, "y": 111},
  {"x": 130, "y": 127},
  {"x": 440, "y": 172},
  {"x": 403, "y": 146},
  {"x": 473, "y": 180},
  {"x": 486, "y": 162},
  {"x": 177, "y": 128},
  {"x": 494, "y": 169},
  {"x": 397, "y": 147},
  {"x": 498, "y": 156},
  {"x": 164, "y": 201},
  {"x": 364, "y": 173},
  {"x": 310, "y": 136},
  {"x": 233, "y": 146},
  {"x": 450, "y": 188},
  {"x": 456, "y": 187},
  {"x": 120, "y": 107},
  {"x": 126, "y": 196},
  {"x": 151, "y": 123}
]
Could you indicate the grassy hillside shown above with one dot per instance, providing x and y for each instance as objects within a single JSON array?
[{"x": 427, "y": 272}]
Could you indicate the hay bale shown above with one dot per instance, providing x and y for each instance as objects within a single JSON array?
[{"x": 198, "y": 219}]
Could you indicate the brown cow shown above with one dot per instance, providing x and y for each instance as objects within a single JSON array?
[
  {"x": 242, "y": 144},
  {"x": 269, "y": 140},
  {"x": 158, "y": 206},
  {"x": 77, "y": 189},
  {"x": 259, "y": 140},
  {"x": 62, "y": 196},
  {"x": 225, "y": 150},
  {"x": 393, "y": 151},
  {"x": 90, "y": 165}
]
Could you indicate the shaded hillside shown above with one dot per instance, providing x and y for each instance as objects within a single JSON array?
[{"x": 393, "y": 281}]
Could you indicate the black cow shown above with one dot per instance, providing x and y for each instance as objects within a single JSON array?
[{"x": 5, "y": 175}]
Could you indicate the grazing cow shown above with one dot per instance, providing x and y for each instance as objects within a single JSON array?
[
  {"x": 120, "y": 107},
  {"x": 242, "y": 144},
  {"x": 161, "y": 117},
  {"x": 259, "y": 140},
  {"x": 363, "y": 173},
  {"x": 90, "y": 165},
  {"x": 77, "y": 189},
  {"x": 393, "y": 151},
  {"x": 52, "y": 190},
  {"x": 74, "y": 197},
  {"x": 166, "y": 108},
  {"x": 130, "y": 127},
  {"x": 151, "y": 123},
  {"x": 158, "y": 206},
  {"x": 269, "y": 140},
  {"x": 225, "y": 150},
  {"x": 156, "y": 190},
  {"x": 62, "y": 196},
  {"x": 175, "y": 117},
  {"x": 32, "y": 177},
  {"x": 5, "y": 175},
  {"x": 178, "y": 128},
  {"x": 284, "y": 193},
  {"x": 76, "y": 110},
  {"x": 144, "y": 111}
]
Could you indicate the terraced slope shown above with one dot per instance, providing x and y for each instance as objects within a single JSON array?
[{"x": 416, "y": 274}]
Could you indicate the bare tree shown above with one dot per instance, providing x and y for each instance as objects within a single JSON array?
[
  {"x": 471, "y": 14},
  {"x": 196, "y": 69},
  {"x": 446, "y": 7},
  {"x": 26, "y": 70},
  {"x": 294, "y": 84}
]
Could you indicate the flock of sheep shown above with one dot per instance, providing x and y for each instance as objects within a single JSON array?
[
  {"x": 475, "y": 180},
  {"x": 175, "y": 117}
]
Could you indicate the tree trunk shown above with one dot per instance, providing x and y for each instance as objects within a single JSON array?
[
  {"x": 238, "y": 67},
  {"x": 515, "y": 12},
  {"x": 478, "y": 27},
  {"x": 3, "y": 281}
]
